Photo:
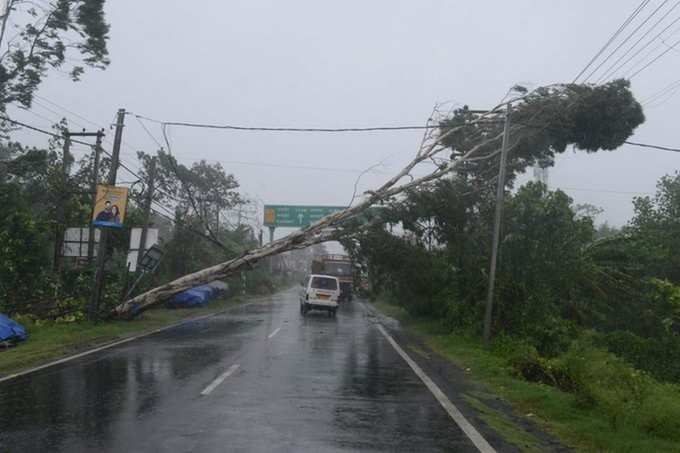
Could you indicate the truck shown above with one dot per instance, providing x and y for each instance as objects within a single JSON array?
[{"x": 339, "y": 266}]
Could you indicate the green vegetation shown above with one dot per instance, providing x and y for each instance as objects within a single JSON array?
[
  {"x": 50, "y": 35},
  {"x": 586, "y": 319},
  {"x": 40, "y": 201},
  {"x": 603, "y": 416},
  {"x": 502, "y": 424},
  {"x": 52, "y": 340}
]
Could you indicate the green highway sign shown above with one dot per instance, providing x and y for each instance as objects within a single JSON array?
[{"x": 289, "y": 216}]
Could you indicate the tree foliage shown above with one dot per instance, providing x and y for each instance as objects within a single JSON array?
[
  {"x": 50, "y": 36},
  {"x": 548, "y": 120}
]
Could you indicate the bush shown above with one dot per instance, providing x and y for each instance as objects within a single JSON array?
[
  {"x": 660, "y": 357},
  {"x": 527, "y": 363},
  {"x": 659, "y": 413},
  {"x": 603, "y": 381}
]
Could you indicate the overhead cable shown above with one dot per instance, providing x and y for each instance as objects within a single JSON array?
[
  {"x": 611, "y": 71},
  {"x": 611, "y": 39},
  {"x": 630, "y": 35},
  {"x": 670, "y": 47}
]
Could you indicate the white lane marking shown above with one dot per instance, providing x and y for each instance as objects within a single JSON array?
[
  {"x": 271, "y": 335},
  {"x": 220, "y": 379},
  {"x": 107, "y": 346},
  {"x": 476, "y": 438}
]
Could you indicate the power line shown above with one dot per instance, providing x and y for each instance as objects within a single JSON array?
[
  {"x": 293, "y": 167},
  {"x": 670, "y": 47},
  {"x": 67, "y": 110},
  {"x": 630, "y": 35},
  {"x": 289, "y": 129},
  {"x": 59, "y": 115},
  {"x": 641, "y": 49},
  {"x": 261, "y": 164},
  {"x": 608, "y": 72},
  {"x": 668, "y": 91},
  {"x": 52, "y": 134},
  {"x": 645, "y": 145},
  {"x": 42, "y": 131},
  {"x": 148, "y": 132},
  {"x": 620, "y": 192},
  {"x": 630, "y": 18}
]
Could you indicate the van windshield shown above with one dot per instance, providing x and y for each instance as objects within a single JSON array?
[{"x": 324, "y": 283}]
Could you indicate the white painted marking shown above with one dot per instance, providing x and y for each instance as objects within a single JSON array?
[
  {"x": 106, "y": 346},
  {"x": 213, "y": 385},
  {"x": 271, "y": 335},
  {"x": 476, "y": 438}
]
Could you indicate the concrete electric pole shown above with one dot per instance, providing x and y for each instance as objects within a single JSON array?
[
  {"x": 62, "y": 203},
  {"x": 500, "y": 193},
  {"x": 93, "y": 309},
  {"x": 93, "y": 189}
]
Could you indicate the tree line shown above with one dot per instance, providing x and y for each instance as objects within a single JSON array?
[{"x": 195, "y": 209}]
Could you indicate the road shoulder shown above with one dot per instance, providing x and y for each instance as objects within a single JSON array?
[
  {"x": 501, "y": 424},
  {"x": 55, "y": 343}
]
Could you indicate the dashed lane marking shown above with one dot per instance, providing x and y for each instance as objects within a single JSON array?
[
  {"x": 271, "y": 335},
  {"x": 469, "y": 430},
  {"x": 213, "y": 385}
]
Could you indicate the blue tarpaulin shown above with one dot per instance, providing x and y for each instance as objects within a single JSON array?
[
  {"x": 194, "y": 297},
  {"x": 11, "y": 330}
]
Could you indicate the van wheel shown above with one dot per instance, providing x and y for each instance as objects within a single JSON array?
[
  {"x": 303, "y": 309},
  {"x": 335, "y": 311}
]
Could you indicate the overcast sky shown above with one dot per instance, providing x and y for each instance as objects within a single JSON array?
[{"x": 352, "y": 63}]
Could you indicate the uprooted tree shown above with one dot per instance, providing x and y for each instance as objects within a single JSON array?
[{"x": 544, "y": 123}]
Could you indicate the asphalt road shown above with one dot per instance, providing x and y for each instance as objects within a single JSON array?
[{"x": 258, "y": 378}]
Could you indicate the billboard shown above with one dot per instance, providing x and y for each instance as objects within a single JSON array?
[{"x": 109, "y": 210}]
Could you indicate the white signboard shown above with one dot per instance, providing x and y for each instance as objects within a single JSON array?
[
  {"x": 135, "y": 239},
  {"x": 75, "y": 242}
]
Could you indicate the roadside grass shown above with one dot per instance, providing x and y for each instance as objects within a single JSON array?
[
  {"x": 52, "y": 341},
  {"x": 584, "y": 428},
  {"x": 504, "y": 426}
]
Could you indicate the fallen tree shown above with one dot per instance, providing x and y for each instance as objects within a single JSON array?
[{"x": 544, "y": 122}]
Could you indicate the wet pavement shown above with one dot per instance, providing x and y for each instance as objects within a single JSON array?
[{"x": 258, "y": 378}]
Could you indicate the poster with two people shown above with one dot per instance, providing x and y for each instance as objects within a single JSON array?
[{"x": 109, "y": 210}]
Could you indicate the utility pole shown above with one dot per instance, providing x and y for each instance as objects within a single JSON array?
[
  {"x": 500, "y": 192},
  {"x": 93, "y": 309},
  {"x": 5, "y": 8},
  {"x": 93, "y": 189},
  {"x": 147, "y": 209},
  {"x": 62, "y": 203}
]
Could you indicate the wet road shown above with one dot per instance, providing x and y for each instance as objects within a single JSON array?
[{"x": 259, "y": 378}]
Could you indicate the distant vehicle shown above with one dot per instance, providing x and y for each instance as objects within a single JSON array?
[
  {"x": 339, "y": 266},
  {"x": 319, "y": 292}
]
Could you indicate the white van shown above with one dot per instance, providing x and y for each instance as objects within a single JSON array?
[{"x": 319, "y": 292}]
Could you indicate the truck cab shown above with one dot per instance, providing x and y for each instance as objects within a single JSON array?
[{"x": 339, "y": 266}]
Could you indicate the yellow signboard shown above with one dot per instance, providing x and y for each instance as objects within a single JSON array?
[
  {"x": 109, "y": 211},
  {"x": 269, "y": 216}
]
